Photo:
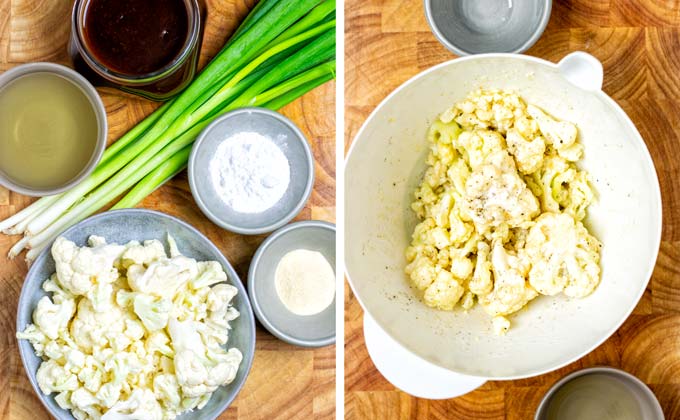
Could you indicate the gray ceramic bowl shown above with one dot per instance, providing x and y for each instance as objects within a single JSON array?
[
  {"x": 97, "y": 105},
  {"x": 487, "y": 26},
  {"x": 122, "y": 226},
  {"x": 286, "y": 136},
  {"x": 649, "y": 405},
  {"x": 306, "y": 331}
]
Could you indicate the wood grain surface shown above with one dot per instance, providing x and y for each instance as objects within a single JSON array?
[
  {"x": 286, "y": 382},
  {"x": 638, "y": 42}
]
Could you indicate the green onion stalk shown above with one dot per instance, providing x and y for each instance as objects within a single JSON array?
[{"x": 282, "y": 50}]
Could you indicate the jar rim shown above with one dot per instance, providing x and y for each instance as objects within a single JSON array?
[{"x": 193, "y": 35}]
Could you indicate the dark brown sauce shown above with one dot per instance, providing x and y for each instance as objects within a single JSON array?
[{"x": 136, "y": 37}]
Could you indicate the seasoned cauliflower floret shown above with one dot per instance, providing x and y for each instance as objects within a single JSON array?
[
  {"x": 495, "y": 195},
  {"x": 564, "y": 256},
  {"x": 500, "y": 208},
  {"x": 511, "y": 290},
  {"x": 444, "y": 292},
  {"x": 528, "y": 153}
]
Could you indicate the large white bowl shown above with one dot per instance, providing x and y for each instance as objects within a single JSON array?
[{"x": 387, "y": 160}]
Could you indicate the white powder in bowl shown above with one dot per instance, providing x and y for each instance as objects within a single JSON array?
[
  {"x": 249, "y": 172},
  {"x": 305, "y": 282}
]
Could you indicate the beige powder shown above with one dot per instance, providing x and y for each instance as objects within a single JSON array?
[{"x": 305, "y": 282}]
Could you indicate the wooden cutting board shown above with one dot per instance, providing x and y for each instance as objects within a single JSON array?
[
  {"x": 638, "y": 41},
  {"x": 285, "y": 382}
]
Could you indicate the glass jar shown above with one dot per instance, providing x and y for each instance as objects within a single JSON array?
[{"x": 158, "y": 85}]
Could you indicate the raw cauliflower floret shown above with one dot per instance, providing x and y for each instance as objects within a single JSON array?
[
  {"x": 52, "y": 318},
  {"x": 565, "y": 257},
  {"x": 143, "y": 254},
  {"x": 79, "y": 269},
  {"x": 142, "y": 404},
  {"x": 200, "y": 370},
  {"x": 511, "y": 291},
  {"x": 52, "y": 377},
  {"x": 495, "y": 195}
]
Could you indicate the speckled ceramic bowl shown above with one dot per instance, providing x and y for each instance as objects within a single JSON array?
[
  {"x": 306, "y": 331},
  {"x": 286, "y": 136},
  {"x": 122, "y": 226}
]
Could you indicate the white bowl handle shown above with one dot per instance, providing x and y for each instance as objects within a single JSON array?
[{"x": 582, "y": 70}]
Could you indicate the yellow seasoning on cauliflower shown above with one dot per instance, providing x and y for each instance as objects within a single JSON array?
[
  {"x": 130, "y": 332},
  {"x": 501, "y": 206}
]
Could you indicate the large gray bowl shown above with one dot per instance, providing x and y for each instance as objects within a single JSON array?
[{"x": 122, "y": 226}]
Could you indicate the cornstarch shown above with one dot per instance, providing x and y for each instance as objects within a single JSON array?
[{"x": 250, "y": 172}]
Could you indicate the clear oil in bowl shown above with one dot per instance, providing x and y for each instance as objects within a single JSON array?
[
  {"x": 594, "y": 397},
  {"x": 48, "y": 131}
]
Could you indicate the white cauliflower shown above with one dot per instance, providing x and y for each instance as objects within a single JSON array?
[
  {"x": 445, "y": 292},
  {"x": 143, "y": 254},
  {"x": 565, "y": 257},
  {"x": 152, "y": 311},
  {"x": 476, "y": 146},
  {"x": 209, "y": 273},
  {"x": 78, "y": 269},
  {"x": 495, "y": 164},
  {"x": 560, "y": 134},
  {"x": 52, "y": 318},
  {"x": 167, "y": 390},
  {"x": 52, "y": 377},
  {"x": 511, "y": 291},
  {"x": 142, "y": 404},
  {"x": 199, "y": 371},
  {"x": 104, "y": 334},
  {"x": 162, "y": 277},
  {"x": 528, "y": 153},
  {"x": 90, "y": 328},
  {"x": 495, "y": 195}
]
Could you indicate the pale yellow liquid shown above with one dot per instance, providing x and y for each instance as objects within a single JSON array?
[
  {"x": 48, "y": 131},
  {"x": 594, "y": 397}
]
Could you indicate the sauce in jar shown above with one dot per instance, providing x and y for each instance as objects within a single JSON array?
[
  {"x": 136, "y": 37},
  {"x": 145, "y": 47}
]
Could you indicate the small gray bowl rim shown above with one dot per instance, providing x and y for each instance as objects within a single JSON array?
[
  {"x": 641, "y": 386},
  {"x": 299, "y": 136},
  {"x": 461, "y": 52},
  {"x": 252, "y": 278},
  {"x": 97, "y": 106},
  {"x": 249, "y": 355}
]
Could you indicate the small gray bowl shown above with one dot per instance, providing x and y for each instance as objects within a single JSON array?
[
  {"x": 306, "y": 331},
  {"x": 122, "y": 226},
  {"x": 286, "y": 136},
  {"x": 97, "y": 105},
  {"x": 649, "y": 405},
  {"x": 487, "y": 26}
]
